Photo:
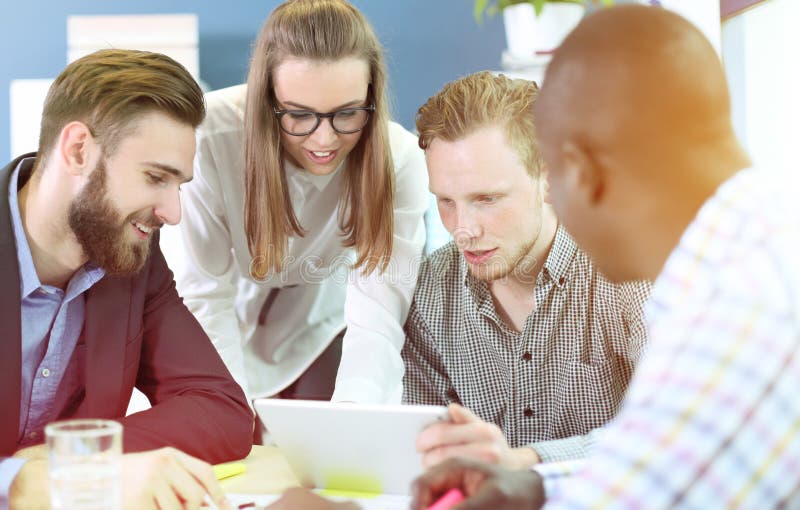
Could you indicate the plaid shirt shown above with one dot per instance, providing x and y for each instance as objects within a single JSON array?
[
  {"x": 558, "y": 379},
  {"x": 712, "y": 418}
]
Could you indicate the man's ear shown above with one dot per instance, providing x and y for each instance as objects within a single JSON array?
[
  {"x": 75, "y": 148},
  {"x": 585, "y": 177},
  {"x": 544, "y": 184}
]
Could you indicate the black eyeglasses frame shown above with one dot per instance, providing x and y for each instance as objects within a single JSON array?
[{"x": 319, "y": 116}]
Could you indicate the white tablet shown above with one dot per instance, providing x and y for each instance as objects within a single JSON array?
[{"x": 349, "y": 447}]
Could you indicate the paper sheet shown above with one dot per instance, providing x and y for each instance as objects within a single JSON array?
[{"x": 382, "y": 502}]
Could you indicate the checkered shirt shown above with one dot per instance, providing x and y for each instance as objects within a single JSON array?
[
  {"x": 712, "y": 417},
  {"x": 558, "y": 379}
]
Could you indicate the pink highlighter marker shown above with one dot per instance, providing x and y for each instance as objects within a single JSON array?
[{"x": 447, "y": 501}]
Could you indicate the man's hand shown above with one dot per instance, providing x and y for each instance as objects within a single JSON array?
[
  {"x": 167, "y": 479},
  {"x": 467, "y": 436},
  {"x": 295, "y": 498},
  {"x": 484, "y": 486},
  {"x": 32, "y": 452},
  {"x": 30, "y": 488}
]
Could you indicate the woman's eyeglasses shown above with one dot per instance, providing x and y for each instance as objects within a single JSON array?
[{"x": 305, "y": 122}]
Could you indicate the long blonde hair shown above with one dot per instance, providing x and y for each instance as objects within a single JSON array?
[{"x": 322, "y": 30}]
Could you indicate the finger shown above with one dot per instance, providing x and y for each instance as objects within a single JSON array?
[
  {"x": 479, "y": 501},
  {"x": 165, "y": 497},
  {"x": 460, "y": 414},
  {"x": 453, "y": 473},
  {"x": 500, "y": 489},
  {"x": 487, "y": 452},
  {"x": 441, "y": 432},
  {"x": 32, "y": 452},
  {"x": 444, "y": 434},
  {"x": 184, "y": 485},
  {"x": 435, "y": 435},
  {"x": 203, "y": 473}
]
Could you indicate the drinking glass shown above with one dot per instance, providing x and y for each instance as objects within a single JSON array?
[{"x": 85, "y": 464}]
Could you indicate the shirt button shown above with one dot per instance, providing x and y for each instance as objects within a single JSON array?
[
  {"x": 527, "y": 356},
  {"x": 45, "y": 372},
  {"x": 528, "y": 412},
  {"x": 33, "y": 435},
  {"x": 562, "y": 281}
]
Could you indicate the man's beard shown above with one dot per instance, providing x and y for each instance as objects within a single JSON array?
[
  {"x": 521, "y": 263},
  {"x": 518, "y": 263},
  {"x": 101, "y": 231}
]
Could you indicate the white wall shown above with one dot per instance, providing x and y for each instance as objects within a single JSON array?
[{"x": 761, "y": 53}]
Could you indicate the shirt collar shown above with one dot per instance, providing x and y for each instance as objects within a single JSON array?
[
  {"x": 562, "y": 252},
  {"x": 88, "y": 274},
  {"x": 30, "y": 280},
  {"x": 306, "y": 178}
]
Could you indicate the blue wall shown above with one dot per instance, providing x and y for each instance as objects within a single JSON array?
[{"x": 428, "y": 42}]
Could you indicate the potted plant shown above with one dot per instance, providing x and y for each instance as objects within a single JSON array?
[{"x": 534, "y": 27}]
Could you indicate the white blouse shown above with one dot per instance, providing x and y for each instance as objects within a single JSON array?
[{"x": 320, "y": 295}]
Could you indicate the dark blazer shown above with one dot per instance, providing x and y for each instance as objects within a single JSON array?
[{"x": 136, "y": 332}]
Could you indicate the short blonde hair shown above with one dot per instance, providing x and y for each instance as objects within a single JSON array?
[{"x": 480, "y": 100}]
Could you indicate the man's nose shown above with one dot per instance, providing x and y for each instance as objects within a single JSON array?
[
  {"x": 169, "y": 208},
  {"x": 467, "y": 227}
]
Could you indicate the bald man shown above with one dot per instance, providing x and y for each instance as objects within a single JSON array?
[{"x": 647, "y": 175}]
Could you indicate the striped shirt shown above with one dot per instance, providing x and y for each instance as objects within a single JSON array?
[
  {"x": 712, "y": 418},
  {"x": 552, "y": 383}
]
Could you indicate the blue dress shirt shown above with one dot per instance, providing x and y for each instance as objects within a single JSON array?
[{"x": 52, "y": 320}]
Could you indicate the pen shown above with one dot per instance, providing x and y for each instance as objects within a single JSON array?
[{"x": 447, "y": 501}]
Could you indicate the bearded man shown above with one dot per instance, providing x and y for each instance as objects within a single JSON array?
[
  {"x": 88, "y": 306},
  {"x": 511, "y": 325}
]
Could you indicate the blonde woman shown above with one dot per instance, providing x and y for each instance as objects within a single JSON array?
[{"x": 303, "y": 224}]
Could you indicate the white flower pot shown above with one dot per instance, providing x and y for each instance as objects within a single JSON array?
[{"x": 528, "y": 35}]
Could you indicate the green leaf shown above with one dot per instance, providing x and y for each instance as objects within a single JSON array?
[{"x": 477, "y": 10}]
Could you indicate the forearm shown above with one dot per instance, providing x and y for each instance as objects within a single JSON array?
[
  {"x": 197, "y": 406},
  {"x": 371, "y": 369},
  {"x": 212, "y": 425}
]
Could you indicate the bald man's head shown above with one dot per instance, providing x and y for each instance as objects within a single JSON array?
[
  {"x": 636, "y": 73},
  {"x": 633, "y": 104}
]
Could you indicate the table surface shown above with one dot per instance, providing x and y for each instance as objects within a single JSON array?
[{"x": 266, "y": 472}]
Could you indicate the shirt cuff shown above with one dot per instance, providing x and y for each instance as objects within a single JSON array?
[
  {"x": 556, "y": 476},
  {"x": 9, "y": 467},
  {"x": 568, "y": 448}
]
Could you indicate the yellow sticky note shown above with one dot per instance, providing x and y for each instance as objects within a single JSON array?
[
  {"x": 228, "y": 470},
  {"x": 335, "y": 493}
]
